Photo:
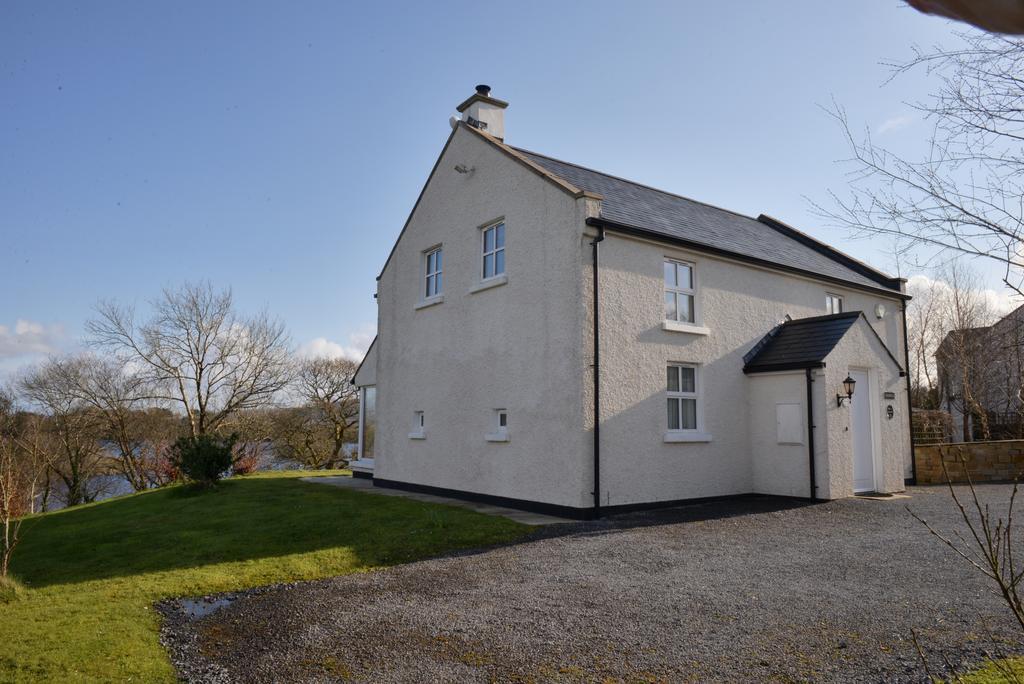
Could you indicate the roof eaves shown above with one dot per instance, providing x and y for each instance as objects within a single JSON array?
[
  {"x": 739, "y": 256},
  {"x": 776, "y": 367}
]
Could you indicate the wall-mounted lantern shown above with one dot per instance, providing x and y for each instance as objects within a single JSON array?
[{"x": 848, "y": 386}]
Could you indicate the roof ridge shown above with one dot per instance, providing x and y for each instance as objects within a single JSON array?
[
  {"x": 633, "y": 182},
  {"x": 823, "y": 317},
  {"x": 834, "y": 253}
]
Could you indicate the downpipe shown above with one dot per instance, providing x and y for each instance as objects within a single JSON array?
[{"x": 597, "y": 374}]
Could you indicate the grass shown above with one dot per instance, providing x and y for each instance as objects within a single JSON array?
[
  {"x": 89, "y": 575},
  {"x": 1005, "y": 670}
]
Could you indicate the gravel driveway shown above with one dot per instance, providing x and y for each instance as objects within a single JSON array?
[{"x": 754, "y": 589}]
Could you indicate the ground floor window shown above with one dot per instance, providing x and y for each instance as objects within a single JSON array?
[
  {"x": 368, "y": 421},
  {"x": 682, "y": 397}
]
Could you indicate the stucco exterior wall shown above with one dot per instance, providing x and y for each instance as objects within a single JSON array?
[
  {"x": 514, "y": 346},
  {"x": 780, "y": 468},
  {"x": 738, "y": 303},
  {"x": 860, "y": 350}
]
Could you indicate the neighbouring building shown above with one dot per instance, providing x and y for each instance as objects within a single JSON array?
[
  {"x": 559, "y": 339},
  {"x": 980, "y": 379}
]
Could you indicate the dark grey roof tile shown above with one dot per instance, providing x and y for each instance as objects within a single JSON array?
[{"x": 674, "y": 216}]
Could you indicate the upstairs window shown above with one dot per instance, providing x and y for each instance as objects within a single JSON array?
[
  {"x": 679, "y": 292},
  {"x": 833, "y": 304},
  {"x": 433, "y": 273},
  {"x": 494, "y": 250},
  {"x": 682, "y": 397}
]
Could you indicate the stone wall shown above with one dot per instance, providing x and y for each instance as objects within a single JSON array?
[{"x": 986, "y": 461}]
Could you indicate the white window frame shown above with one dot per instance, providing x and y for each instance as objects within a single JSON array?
[
  {"x": 696, "y": 433},
  {"x": 831, "y": 297},
  {"x": 692, "y": 326},
  {"x": 484, "y": 253},
  {"x": 419, "y": 425},
  {"x": 436, "y": 274},
  {"x": 499, "y": 432}
]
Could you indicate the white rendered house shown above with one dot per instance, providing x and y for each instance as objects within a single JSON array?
[{"x": 714, "y": 366}]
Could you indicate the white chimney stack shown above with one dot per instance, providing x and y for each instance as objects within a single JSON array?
[{"x": 482, "y": 111}]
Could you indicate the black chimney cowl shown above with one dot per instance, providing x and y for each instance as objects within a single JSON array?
[{"x": 484, "y": 90}]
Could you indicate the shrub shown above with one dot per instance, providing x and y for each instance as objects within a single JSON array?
[
  {"x": 203, "y": 459},
  {"x": 10, "y": 589},
  {"x": 246, "y": 459}
]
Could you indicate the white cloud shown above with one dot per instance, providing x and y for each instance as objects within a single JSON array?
[
  {"x": 29, "y": 338},
  {"x": 355, "y": 350},
  {"x": 895, "y": 123},
  {"x": 1000, "y": 302}
]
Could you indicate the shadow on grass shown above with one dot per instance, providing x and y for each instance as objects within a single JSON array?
[
  {"x": 245, "y": 519},
  {"x": 239, "y": 520}
]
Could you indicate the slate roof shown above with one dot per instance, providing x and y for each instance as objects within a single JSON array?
[
  {"x": 802, "y": 343},
  {"x": 665, "y": 214}
]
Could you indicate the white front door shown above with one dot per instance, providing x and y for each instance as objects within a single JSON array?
[{"x": 863, "y": 442}]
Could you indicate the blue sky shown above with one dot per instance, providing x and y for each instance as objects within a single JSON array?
[{"x": 277, "y": 148}]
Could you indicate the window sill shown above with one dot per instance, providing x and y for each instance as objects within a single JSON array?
[
  {"x": 677, "y": 326},
  {"x": 672, "y": 437},
  {"x": 430, "y": 301},
  {"x": 418, "y": 435},
  {"x": 489, "y": 283},
  {"x": 496, "y": 437}
]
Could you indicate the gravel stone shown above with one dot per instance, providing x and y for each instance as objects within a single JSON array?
[{"x": 749, "y": 589}]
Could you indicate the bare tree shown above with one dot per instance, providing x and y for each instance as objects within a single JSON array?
[
  {"x": 965, "y": 355},
  {"x": 75, "y": 455},
  {"x": 925, "y": 331},
  {"x": 195, "y": 350},
  {"x": 135, "y": 430},
  {"x": 20, "y": 470},
  {"x": 316, "y": 432},
  {"x": 965, "y": 195}
]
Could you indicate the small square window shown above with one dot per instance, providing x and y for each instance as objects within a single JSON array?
[
  {"x": 833, "y": 304},
  {"x": 419, "y": 425},
  {"x": 499, "y": 426}
]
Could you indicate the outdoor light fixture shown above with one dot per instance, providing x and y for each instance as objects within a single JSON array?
[
  {"x": 848, "y": 385},
  {"x": 879, "y": 311}
]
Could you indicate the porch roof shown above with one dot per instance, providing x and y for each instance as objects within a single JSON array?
[{"x": 802, "y": 343}]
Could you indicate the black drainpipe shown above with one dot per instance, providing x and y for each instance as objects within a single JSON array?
[
  {"x": 910, "y": 402},
  {"x": 597, "y": 380},
  {"x": 810, "y": 435}
]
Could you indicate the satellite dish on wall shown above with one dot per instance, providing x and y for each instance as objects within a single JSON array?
[{"x": 453, "y": 122}]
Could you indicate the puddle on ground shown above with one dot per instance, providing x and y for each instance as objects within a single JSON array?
[{"x": 198, "y": 608}]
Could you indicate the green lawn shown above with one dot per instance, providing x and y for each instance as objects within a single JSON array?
[
  {"x": 1009, "y": 670},
  {"x": 92, "y": 573}
]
